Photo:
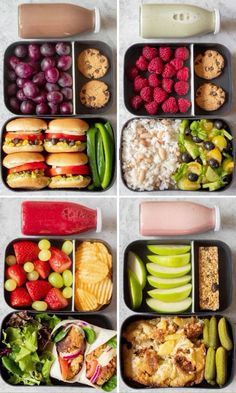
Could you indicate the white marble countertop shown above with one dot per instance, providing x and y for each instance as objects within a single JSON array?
[
  {"x": 108, "y": 34},
  {"x": 129, "y": 224},
  {"x": 129, "y": 34}
]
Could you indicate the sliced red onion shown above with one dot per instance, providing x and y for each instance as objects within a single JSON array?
[
  {"x": 96, "y": 374},
  {"x": 71, "y": 355}
]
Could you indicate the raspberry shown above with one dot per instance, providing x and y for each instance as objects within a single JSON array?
[
  {"x": 182, "y": 53},
  {"x": 167, "y": 84},
  {"x": 183, "y": 105},
  {"x": 165, "y": 53},
  {"x": 142, "y": 63},
  {"x": 136, "y": 102},
  {"x": 156, "y": 65},
  {"x": 153, "y": 80},
  {"x": 159, "y": 95},
  {"x": 169, "y": 71},
  {"x": 147, "y": 94},
  {"x": 177, "y": 63},
  {"x": 181, "y": 88},
  {"x": 132, "y": 73},
  {"x": 170, "y": 105},
  {"x": 149, "y": 52},
  {"x": 183, "y": 74},
  {"x": 151, "y": 108},
  {"x": 139, "y": 83}
]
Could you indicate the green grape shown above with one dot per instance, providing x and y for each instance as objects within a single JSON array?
[
  {"x": 39, "y": 305},
  {"x": 67, "y": 292},
  {"x": 28, "y": 267},
  {"x": 33, "y": 276},
  {"x": 44, "y": 244},
  {"x": 67, "y": 247},
  {"x": 44, "y": 255},
  {"x": 10, "y": 285},
  {"x": 55, "y": 280},
  {"x": 11, "y": 260},
  {"x": 67, "y": 278}
]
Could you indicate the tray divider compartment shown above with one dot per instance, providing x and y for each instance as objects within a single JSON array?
[
  {"x": 193, "y": 275},
  {"x": 192, "y": 80},
  {"x": 73, "y": 77}
]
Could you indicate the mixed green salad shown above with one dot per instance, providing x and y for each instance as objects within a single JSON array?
[{"x": 206, "y": 155}]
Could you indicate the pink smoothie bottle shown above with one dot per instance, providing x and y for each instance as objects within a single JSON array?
[{"x": 177, "y": 218}]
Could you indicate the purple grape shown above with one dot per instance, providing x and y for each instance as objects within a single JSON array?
[
  {"x": 52, "y": 87},
  {"x": 54, "y": 108},
  {"x": 20, "y": 51},
  {"x": 34, "y": 52},
  {"x": 39, "y": 79},
  {"x": 21, "y": 96},
  {"x": 62, "y": 48},
  {"x": 11, "y": 75},
  {"x": 42, "y": 109},
  {"x": 24, "y": 70},
  {"x": 55, "y": 96},
  {"x": 52, "y": 75},
  {"x": 66, "y": 108},
  {"x": 36, "y": 66},
  {"x": 12, "y": 89},
  {"x": 13, "y": 61},
  {"x": 42, "y": 97},
  {"x": 47, "y": 49},
  {"x": 64, "y": 62},
  {"x": 47, "y": 62},
  {"x": 65, "y": 79},
  {"x": 20, "y": 82},
  {"x": 67, "y": 93},
  {"x": 30, "y": 89},
  {"x": 27, "y": 107},
  {"x": 14, "y": 104}
]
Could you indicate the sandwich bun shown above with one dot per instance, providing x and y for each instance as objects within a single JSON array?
[
  {"x": 72, "y": 183},
  {"x": 26, "y": 148},
  {"x": 66, "y": 159},
  {"x": 68, "y": 126},
  {"x": 28, "y": 182},
  {"x": 63, "y": 149},
  {"x": 26, "y": 124},
  {"x": 17, "y": 159}
]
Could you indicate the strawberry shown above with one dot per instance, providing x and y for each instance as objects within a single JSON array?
[
  {"x": 17, "y": 273},
  {"x": 38, "y": 289},
  {"x": 55, "y": 300},
  {"x": 20, "y": 298},
  {"x": 43, "y": 268},
  {"x": 25, "y": 251},
  {"x": 59, "y": 261}
]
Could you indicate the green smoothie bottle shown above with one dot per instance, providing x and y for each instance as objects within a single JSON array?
[{"x": 177, "y": 20}]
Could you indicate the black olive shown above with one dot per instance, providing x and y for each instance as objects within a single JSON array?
[
  {"x": 192, "y": 176},
  {"x": 185, "y": 157},
  {"x": 199, "y": 160},
  {"x": 16, "y": 140},
  {"x": 227, "y": 178},
  {"x": 209, "y": 145},
  {"x": 61, "y": 139},
  {"x": 218, "y": 124},
  {"x": 228, "y": 148},
  {"x": 54, "y": 141},
  {"x": 36, "y": 142},
  {"x": 213, "y": 163},
  {"x": 196, "y": 139},
  {"x": 71, "y": 143},
  {"x": 187, "y": 131},
  {"x": 31, "y": 142}
]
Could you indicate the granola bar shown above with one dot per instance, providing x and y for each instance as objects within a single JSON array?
[{"x": 208, "y": 278}]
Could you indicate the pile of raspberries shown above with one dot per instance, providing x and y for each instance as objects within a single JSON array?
[{"x": 160, "y": 79}]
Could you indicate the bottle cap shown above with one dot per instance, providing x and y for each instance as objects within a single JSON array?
[
  {"x": 99, "y": 220},
  {"x": 217, "y": 219},
  {"x": 97, "y": 25},
  {"x": 217, "y": 21}
]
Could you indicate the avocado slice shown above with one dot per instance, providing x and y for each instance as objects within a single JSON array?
[
  {"x": 211, "y": 175},
  {"x": 192, "y": 148}
]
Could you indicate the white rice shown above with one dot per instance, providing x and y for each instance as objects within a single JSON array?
[{"x": 150, "y": 153}]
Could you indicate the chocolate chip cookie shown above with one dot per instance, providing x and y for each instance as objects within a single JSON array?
[
  {"x": 92, "y": 63},
  {"x": 210, "y": 97},
  {"x": 94, "y": 94},
  {"x": 209, "y": 65}
]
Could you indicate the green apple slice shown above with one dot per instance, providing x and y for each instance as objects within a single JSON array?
[
  {"x": 170, "y": 260},
  {"x": 135, "y": 290},
  {"x": 167, "y": 272},
  {"x": 137, "y": 266},
  {"x": 169, "y": 308},
  {"x": 166, "y": 283},
  {"x": 172, "y": 294},
  {"x": 169, "y": 249}
]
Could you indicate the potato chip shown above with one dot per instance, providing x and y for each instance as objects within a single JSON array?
[
  {"x": 85, "y": 301},
  {"x": 102, "y": 290},
  {"x": 91, "y": 272}
]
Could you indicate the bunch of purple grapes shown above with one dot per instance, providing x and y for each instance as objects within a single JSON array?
[{"x": 39, "y": 81}]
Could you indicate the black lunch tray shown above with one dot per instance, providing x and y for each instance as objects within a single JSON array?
[
  {"x": 224, "y": 80},
  {"x": 227, "y": 127},
  {"x": 202, "y": 385},
  {"x": 56, "y": 242},
  {"x": 93, "y": 318},
  {"x": 78, "y": 79},
  {"x": 90, "y": 121},
  {"x": 139, "y": 247}
]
